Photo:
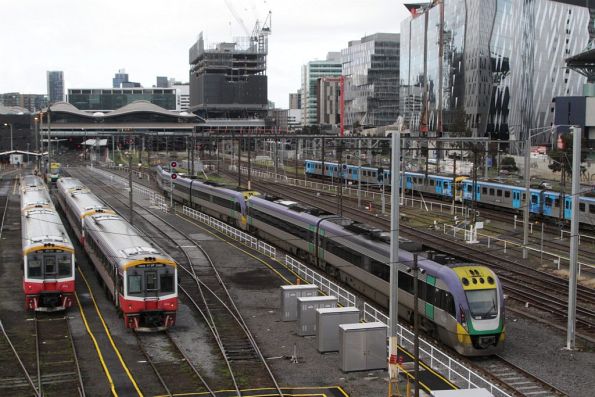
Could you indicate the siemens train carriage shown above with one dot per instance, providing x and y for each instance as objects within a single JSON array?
[
  {"x": 545, "y": 203},
  {"x": 462, "y": 305},
  {"x": 48, "y": 254},
  {"x": 140, "y": 278}
]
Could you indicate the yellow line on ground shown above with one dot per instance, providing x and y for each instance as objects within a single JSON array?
[
  {"x": 429, "y": 369},
  {"x": 109, "y": 336},
  {"x": 105, "y": 369}
]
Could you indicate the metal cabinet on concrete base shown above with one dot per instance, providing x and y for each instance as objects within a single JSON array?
[
  {"x": 362, "y": 346},
  {"x": 289, "y": 295},
  {"x": 306, "y": 321},
  {"x": 327, "y": 326}
]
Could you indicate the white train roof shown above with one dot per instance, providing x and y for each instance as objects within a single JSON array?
[{"x": 41, "y": 226}]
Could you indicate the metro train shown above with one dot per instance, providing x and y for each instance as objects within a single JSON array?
[
  {"x": 544, "y": 203},
  {"x": 461, "y": 304},
  {"x": 139, "y": 277},
  {"x": 48, "y": 254}
]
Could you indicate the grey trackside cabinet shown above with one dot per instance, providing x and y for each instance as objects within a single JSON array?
[
  {"x": 289, "y": 295},
  {"x": 362, "y": 346},
  {"x": 327, "y": 326},
  {"x": 306, "y": 321}
]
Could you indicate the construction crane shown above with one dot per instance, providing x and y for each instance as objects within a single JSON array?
[{"x": 259, "y": 36}]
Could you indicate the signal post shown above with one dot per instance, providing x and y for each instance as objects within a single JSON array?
[{"x": 174, "y": 175}]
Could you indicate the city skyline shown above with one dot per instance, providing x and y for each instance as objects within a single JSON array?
[{"x": 105, "y": 34}]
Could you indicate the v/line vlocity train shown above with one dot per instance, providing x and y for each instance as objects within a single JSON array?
[
  {"x": 545, "y": 203},
  {"x": 461, "y": 304},
  {"x": 48, "y": 254},
  {"x": 141, "y": 278}
]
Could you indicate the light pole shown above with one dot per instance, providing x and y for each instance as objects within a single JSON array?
[{"x": 9, "y": 125}]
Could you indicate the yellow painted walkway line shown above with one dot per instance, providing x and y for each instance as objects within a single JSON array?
[{"x": 109, "y": 335}]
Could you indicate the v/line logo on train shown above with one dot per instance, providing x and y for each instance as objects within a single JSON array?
[{"x": 462, "y": 304}]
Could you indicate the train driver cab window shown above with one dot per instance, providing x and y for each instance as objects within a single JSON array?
[
  {"x": 135, "y": 284},
  {"x": 49, "y": 265},
  {"x": 64, "y": 265},
  {"x": 34, "y": 266},
  {"x": 151, "y": 281},
  {"x": 167, "y": 282}
]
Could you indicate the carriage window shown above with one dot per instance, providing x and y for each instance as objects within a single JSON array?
[
  {"x": 431, "y": 182},
  {"x": 167, "y": 282},
  {"x": 499, "y": 193},
  {"x": 557, "y": 203},
  {"x": 469, "y": 188},
  {"x": 534, "y": 199},
  {"x": 49, "y": 265},
  {"x": 524, "y": 196},
  {"x": 581, "y": 207},
  {"x": 484, "y": 190},
  {"x": 548, "y": 201},
  {"x": 507, "y": 194},
  {"x": 151, "y": 281},
  {"x": 491, "y": 191},
  {"x": 592, "y": 208},
  {"x": 34, "y": 264},
  {"x": 134, "y": 284},
  {"x": 64, "y": 265}
]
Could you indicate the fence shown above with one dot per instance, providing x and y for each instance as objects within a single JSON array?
[{"x": 432, "y": 356}]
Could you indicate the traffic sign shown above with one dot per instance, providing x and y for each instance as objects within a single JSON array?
[
  {"x": 173, "y": 164},
  {"x": 174, "y": 176}
]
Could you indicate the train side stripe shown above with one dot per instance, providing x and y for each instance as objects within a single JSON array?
[
  {"x": 109, "y": 336},
  {"x": 97, "y": 349}
]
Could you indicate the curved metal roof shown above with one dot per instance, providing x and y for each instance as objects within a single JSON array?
[
  {"x": 65, "y": 107},
  {"x": 13, "y": 110},
  {"x": 142, "y": 106}
]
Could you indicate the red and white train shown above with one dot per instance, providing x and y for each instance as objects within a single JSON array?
[
  {"x": 48, "y": 254},
  {"x": 141, "y": 278}
]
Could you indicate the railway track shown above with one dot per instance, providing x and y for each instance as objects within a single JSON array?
[
  {"x": 173, "y": 368},
  {"x": 517, "y": 379},
  {"x": 58, "y": 371},
  {"x": 521, "y": 282},
  {"x": 15, "y": 379},
  {"x": 207, "y": 293}
]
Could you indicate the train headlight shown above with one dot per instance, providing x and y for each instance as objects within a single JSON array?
[{"x": 130, "y": 307}]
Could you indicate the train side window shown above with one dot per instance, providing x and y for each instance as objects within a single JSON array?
[
  {"x": 491, "y": 191},
  {"x": 548, "y": 201},
  {"x": 469, "y": 188},
  {"x": 507, "y": 194},
  {"x": 421, "y": 289},
  {"x": 534, "y": 199},
  {"x": 449, "y": 305},
  {"x": 484, "y": 190},
  {"x": 592, "y": 208},
  {"x": 499, "y": 193},
  {"x": 567, "y": 205},
  {"x": 557, "y": 203},
  {"x": 431, "y": 182},
  {"x": 406, "y": 282},
  {"x": 430, "y": 293},
  {"x": 581, "y": 207},
  {"x": 524, "y": 196}
]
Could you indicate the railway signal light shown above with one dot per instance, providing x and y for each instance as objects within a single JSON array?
[
  {"x": 174, "y": 176},
  {"x": 173, "y": 164}
]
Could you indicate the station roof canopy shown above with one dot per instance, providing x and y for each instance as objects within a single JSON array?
[{"x": 13, "y": 111}]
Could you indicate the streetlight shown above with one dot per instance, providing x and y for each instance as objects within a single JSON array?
[{"x": 9, "y": 125}]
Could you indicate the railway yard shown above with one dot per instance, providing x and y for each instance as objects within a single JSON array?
[{"x": 228, "y": 339}]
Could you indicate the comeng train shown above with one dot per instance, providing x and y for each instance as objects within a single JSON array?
[
  {"x": 48, "y": 254},
  {"x": 141, "y": 278},
  {"x": 461, "y": 304}
]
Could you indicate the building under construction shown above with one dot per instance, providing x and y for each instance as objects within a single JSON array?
[{"x": 229, "y": 80}]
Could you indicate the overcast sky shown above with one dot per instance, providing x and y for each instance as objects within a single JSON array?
[{"x": 91, "y": 39}]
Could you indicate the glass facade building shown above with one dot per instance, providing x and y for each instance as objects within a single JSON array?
[
  {"x": 502, "y": 64},
  {"x": 55, "y": 80},
  {"x": 371, "y": 70},
  {"x": 111, "y": 99},
  {"x": 311, "y": 72}
]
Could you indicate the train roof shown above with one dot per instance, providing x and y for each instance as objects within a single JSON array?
[
  {"x": 211, "y": 187},
  {"x": 85, "y": 201},
  {"x": 35, "y": 197},
  {"x": 41, "y": 226},
  {"x": 31, "y": 181}
]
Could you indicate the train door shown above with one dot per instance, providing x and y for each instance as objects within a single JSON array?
[
  {"x": 535, "y": 203},
  {"x": 516, "y": 199},
  {"x": 447, "y": 188},
  {"x": 409, "y": 182},
  {"x": 567, "y": 207},
  {"x": 430, "y": 296},
  {"x": 439, "y": 187}
]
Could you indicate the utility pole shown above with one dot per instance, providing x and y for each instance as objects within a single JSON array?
[
  {"x": 249, "y": 162},
  {"x": 574, "y": 237},
  {"x": 394, "y": 253},
  {"x": 340, "y": 177},
  {"x": 416, "y": 324},
  {"x": 454, "y": 184},
  {"x": 192, "y": 150},
  {"x": 359, "y": 173},
  {"x": 322, "y": 155},
  {"x": 239, "y": 161},
  {"x": 297, "y": 142},
  {"x": 527, "y": 202},
  {"x": 49, "y": 164},
  {"x": 130, "y": 200}
]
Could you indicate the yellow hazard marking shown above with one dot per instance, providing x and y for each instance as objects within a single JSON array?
[
  {"x": 109, "y": 336},
  {"x": 97, "y": 349},
  {"x": 55, "y": 247}
]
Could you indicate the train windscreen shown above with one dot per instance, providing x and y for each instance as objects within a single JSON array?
[
  {"x": 483, "y": 304},
  {"x": 52, "y": 264}
]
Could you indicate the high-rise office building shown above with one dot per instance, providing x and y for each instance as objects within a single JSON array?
[
  {"x": 182, "y": 95},
  {"x": 371, "y": 70},
  {"x": 295, "y": 100},
  {"x": 328, "y": 91},
  {"x": 502, "y": 64},
  {"x": 229, "y": 80},
  {"x": 311, "y": 72},
  {"x": 55, "y": 81},
  {"x": 162, "y": 81},
  {"x": 119, "y": 78}
]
